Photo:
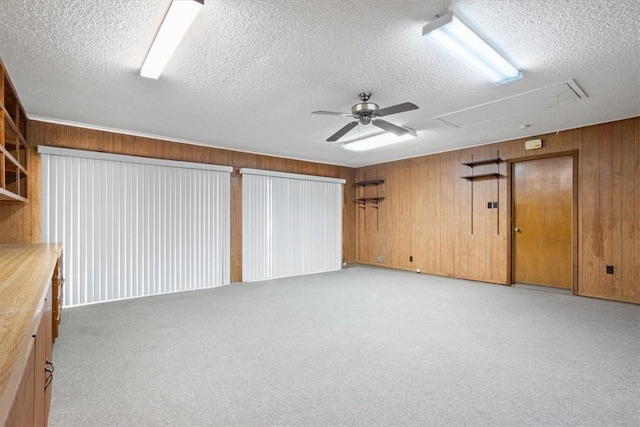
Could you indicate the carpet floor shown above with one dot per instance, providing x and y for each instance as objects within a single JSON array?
[{"x": 357, "y": 347}]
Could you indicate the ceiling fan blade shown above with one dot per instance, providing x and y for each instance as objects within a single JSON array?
[
  {"x": 342, "y": 132},
  {"x": 390, "y": 127},
  {"x": 332, "y": 113},
  {"x": 400, "y": 108}
]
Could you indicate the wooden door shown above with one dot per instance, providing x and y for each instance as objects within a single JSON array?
[{"x": 542, "y": 215}]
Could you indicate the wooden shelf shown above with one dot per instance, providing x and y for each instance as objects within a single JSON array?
[
  {"x": 13, "y": 146},
  {"x": 482, "y": 176},
  {"x": 495, "y": 160},
  {"x": 368, "y": 199},
  {"x": 8, "y": 196},
  {"x": 362, "y": 201},
  {"x": 370, "y": 182},
  {"x": 11, "y": 126}
]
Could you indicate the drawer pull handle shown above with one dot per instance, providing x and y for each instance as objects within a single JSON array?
[{"x": 49, "y": 371}]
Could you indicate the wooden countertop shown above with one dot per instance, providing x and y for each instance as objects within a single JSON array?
[{"x": 25, "y": 272}]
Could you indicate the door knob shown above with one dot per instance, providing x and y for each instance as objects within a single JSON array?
[{"x": 517, "y": 229}]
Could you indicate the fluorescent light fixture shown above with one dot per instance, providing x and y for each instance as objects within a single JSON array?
[
  {"x": 177, "y": 21},
  {"x": 377, "y": 140},
  {"x": 457, "y": 39}
]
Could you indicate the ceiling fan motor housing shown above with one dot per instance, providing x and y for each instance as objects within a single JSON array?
[{"x": 364, "y": 111}]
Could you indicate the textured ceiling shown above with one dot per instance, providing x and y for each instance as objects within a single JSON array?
[{"x": 248, "y": 73}]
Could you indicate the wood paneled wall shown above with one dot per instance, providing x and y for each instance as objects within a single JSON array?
[
  {"x": 430, "y": 214},
  {"x": 20, "y": 223}
]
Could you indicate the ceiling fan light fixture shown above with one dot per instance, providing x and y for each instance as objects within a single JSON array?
[
  {"x": 177, "y": 21},
  {"x": 460, "y": 41},
  {"x": 377, "y": 140}
]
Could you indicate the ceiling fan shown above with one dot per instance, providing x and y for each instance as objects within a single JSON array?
[{"x": 368, "y": 112}]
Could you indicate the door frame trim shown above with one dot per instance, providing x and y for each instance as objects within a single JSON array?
[{"x": 574, "y": 213}]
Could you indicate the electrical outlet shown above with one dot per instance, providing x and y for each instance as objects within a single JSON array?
[
  {"x": 379, "y": 259},
  {"x": 610, "y": 269},
  {"x": 411, "y": 258}
]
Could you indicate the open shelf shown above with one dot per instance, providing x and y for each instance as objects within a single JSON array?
[
  {"x": 7, "y": 196},
  {"x": 362, "y": 202},
  {"x": 495, "y": 160},
  {"x": 370, "y": 182},
  {"x": 14, "y": 150},
  {"x": 482, "y": 176},
  {"x": 368, "y": 199},
  {"x": 366, "y": 196}
]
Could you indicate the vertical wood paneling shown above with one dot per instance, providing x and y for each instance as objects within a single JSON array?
[
  {"x": 444, "y": 210},
  {"x": 107, "y": 213},
  {"x": 614, "y": 238},
  {"x": 484, "y": 221},
  {"x": 606, "y": 208},
  {"x": 349, "y": 234},
  {"x": 629, "y": 166},
  {"x": 236, "y": 226},
  {"x": 635, "y": 290},
  {"x": 589, "y": 225},
  {"x": 395, "y": 210},
  {"x": 425, "y": 195},
  {"x": 421, "y": 211},
  {"x": 463, "y": 213},
  {"x": 504, "y": 238},
  {"x": 440, "y": 237}
]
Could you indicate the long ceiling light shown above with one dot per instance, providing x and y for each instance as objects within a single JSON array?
[
  {"x": 377, "y": 140},
  {"x": 177, "y": 21},
  {"x": 457, "y": 39}
]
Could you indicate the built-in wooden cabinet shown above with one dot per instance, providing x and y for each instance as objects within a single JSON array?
[
  {"x": 30, "y": 406},
  {"x": 21, "y": 411},
  {"x": 13, "y": 144},
  {"x": 26, "y": 320}
]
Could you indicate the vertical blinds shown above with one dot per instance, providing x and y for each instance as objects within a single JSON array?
[
  {"x": 291, "y": 224},
  {"x": 135, "y": 226}
]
